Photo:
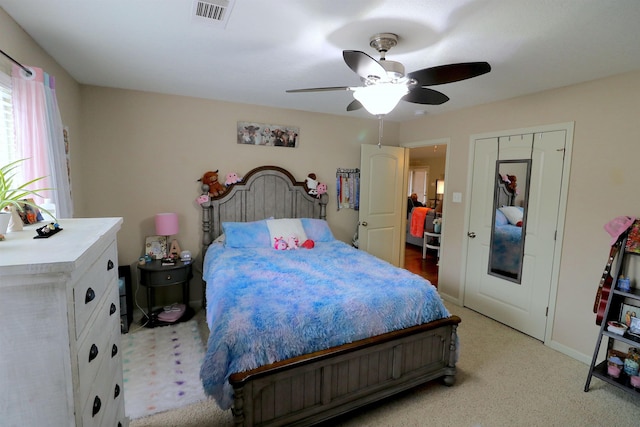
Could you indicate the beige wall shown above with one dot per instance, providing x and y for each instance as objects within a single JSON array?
[
  {"x": 603, "y": 184},
  {"x": 144, "y": 152}
]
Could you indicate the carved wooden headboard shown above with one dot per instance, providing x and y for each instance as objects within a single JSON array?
[{"x": 264, "y": 192}]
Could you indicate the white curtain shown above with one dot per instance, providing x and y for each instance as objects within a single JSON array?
[{"x": 39, "y": 134}]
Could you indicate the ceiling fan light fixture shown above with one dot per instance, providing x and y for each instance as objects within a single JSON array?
[{"x": 380, "y": 99}]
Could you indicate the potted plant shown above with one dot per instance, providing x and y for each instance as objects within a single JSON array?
[{"x": 13, "y": 195}]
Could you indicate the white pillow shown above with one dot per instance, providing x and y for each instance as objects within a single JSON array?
[
  {"x": 285, "y": 228},
  {"x": 513, "y": 214}
]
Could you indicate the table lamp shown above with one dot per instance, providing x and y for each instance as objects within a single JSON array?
[{"x": 167, "y": 225}]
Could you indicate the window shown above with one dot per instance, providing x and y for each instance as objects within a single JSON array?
[{"x": 8, "y": 147}]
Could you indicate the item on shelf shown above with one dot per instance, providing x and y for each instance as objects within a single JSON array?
[
  {"x": 632, "y": 362},
  {"x": 634, "y": 327},
  {"x": 615, "y": 360},
  {"x": 616, "y": 327},
  {"x": 635, "y": 381},
  {"x": 613, "y": 371},
  {"x": 624, "y": 284}
]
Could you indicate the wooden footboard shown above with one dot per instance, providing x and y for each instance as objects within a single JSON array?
[{"x": 312, "y": 388}]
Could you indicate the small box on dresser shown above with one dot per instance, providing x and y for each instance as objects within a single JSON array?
[{"x": 61, "y": 362}]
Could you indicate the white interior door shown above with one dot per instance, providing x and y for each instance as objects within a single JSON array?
[
  {"x": 383, "y": 176},
  {"x": 523, "y": 305}
]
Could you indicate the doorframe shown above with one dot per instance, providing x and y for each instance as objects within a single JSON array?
[
  {"x": 418, "y": 144},
  {"x": 568, "y": 127}
]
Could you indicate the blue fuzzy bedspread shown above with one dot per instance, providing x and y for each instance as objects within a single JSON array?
[
  {"x": 265, "y": 305},
  {"x": 506, "y": 252}
]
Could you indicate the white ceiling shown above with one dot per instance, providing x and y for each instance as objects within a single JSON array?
[{"x": 270, "y": 46}]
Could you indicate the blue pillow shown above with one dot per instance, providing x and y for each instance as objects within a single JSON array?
[
  {"x": 317, "y": 230},
  {"x": 501, "y": 219},
  {"x": 246, "y": 234}
]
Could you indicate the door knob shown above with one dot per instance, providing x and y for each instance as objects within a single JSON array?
[
  {"x": 471, "y": 234},
  {"x": 364, "y": 223}
]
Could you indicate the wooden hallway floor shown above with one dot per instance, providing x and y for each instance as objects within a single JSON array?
[{"x": 427, "y": 268}]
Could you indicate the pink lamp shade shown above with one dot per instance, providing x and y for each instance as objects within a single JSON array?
[{"x": 166, "y": 224}]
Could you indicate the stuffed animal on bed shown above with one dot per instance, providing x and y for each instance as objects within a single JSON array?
[
  {"x": 292, "y": 242},
  {"x": 279, "y": 244},
  {"x": 211, "y": 179}
]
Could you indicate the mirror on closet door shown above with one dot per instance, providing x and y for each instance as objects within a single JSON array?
[{"x": 510, "y": 197}]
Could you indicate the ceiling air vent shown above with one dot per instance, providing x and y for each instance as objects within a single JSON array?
[{"x": 214, "y": 12}]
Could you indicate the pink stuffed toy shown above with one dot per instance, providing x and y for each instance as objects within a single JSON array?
[
  {"x": 292, "y": 242},
  {"x": 321, "y": 189},
  {"x": 280, "y": 244},
  {"x": 232, "y": 178}
]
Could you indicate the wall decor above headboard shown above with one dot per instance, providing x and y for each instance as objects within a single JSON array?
[{"x": 264, "y": 192}]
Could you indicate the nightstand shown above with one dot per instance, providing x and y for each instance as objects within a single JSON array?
[{"x": 155, "y": 275}]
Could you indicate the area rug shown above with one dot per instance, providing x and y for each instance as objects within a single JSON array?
[{"x": 162, "y": 369}]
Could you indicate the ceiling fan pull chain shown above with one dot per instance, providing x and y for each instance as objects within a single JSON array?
[{"x": 380, "y": 117}]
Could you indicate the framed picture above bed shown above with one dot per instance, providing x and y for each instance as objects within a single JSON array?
[{"x": 251, "y": 133}]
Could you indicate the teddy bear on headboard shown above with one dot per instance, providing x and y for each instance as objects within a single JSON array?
[{"x": 211, "y": 179}]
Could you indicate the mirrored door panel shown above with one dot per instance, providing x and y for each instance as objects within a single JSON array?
[{"x": 510, "y": 200}]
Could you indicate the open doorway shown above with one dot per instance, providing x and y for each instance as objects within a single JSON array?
[{"x": 427, "y": 163}]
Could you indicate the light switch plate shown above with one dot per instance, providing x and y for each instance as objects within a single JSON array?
[{"x": 457, "y": 197}]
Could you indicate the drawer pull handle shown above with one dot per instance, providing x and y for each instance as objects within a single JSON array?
[
  {"x": 114, "y": 350},
  {"x": 96, "y": 406},
  {"x": 112, "y": 309},
  {"x": 168, "y": 277},
  {"x": 109, "y": 265},
  {"x": 90, "y": 296},
  {"x": 116, "y": 392},
  {"x": 93, "y": 352}
]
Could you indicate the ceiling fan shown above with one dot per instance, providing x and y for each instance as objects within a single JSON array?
[{"x": 385, "y": 82}]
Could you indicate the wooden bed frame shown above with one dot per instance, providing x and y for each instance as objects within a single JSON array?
[{"x": 314, "y": 387}]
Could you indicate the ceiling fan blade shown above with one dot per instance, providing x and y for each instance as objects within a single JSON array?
[
  {"x": 424, "y": 95},
  {"x": 319, "y": 89},
  {"x": 363, "y": 65},
  {"x": 449, "y": 73},
  {"x": 354, "y": 105}
]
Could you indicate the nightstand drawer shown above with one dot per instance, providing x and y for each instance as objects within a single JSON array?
[{"x": 169, "y": 277}]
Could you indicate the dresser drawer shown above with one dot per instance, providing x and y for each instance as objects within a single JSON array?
[
  {"x": 91, "y": 287},
  {"x": 104, "y": 400},
  {"x": 165, "y": 278},
  {"x": 114, "y": 413},
  {"x": 101, "y": 343},
  {"x": 106, "y": 392}
]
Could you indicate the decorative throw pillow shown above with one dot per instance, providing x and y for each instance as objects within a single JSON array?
[
  {"x": 500, "y": 218},
  {"x": 285, "y": 228},
  {"x": 253, "y": 234},
  {"x": 513, "y": 213},
  {"x": 317, "y": 230}
]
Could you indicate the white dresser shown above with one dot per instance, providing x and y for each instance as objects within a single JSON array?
[{"x": 60, "y": 358}]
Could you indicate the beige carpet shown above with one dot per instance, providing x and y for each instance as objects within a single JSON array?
[{"x": 504, "y": 378}]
